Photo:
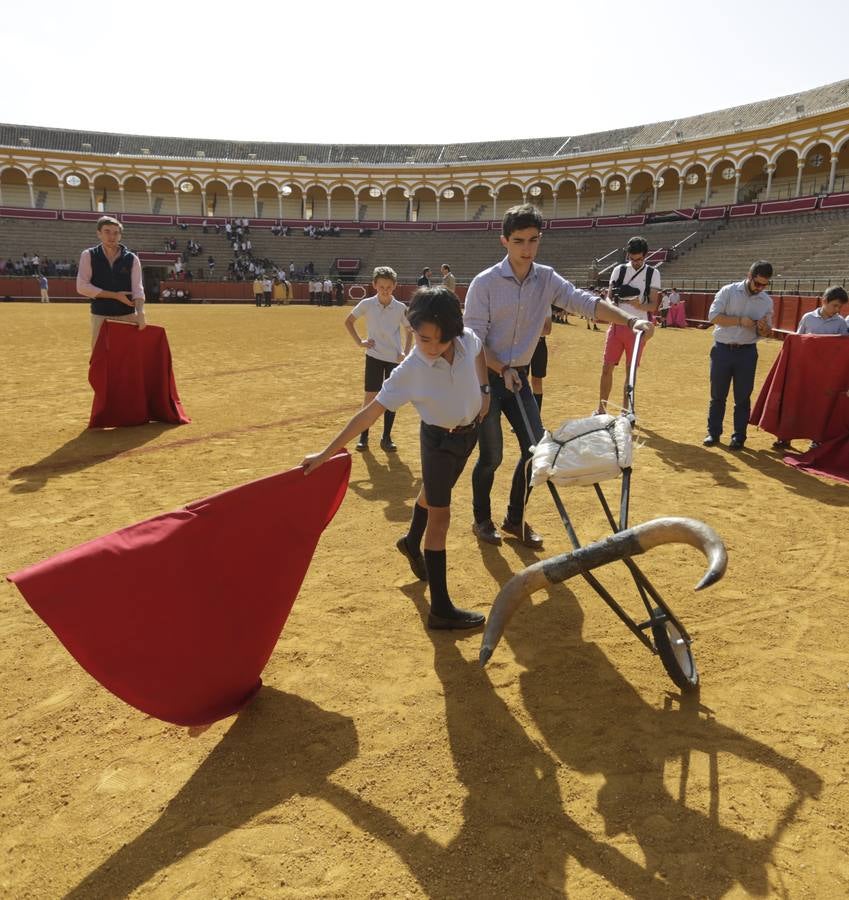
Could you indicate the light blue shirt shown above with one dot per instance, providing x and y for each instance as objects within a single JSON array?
[
  {"x": 813, "y": 323},
  {"x": 735, "y": 300},
  {"x": 508, "y": 315}
]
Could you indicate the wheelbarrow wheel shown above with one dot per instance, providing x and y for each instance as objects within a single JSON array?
[{"x": 674, "y": 652}]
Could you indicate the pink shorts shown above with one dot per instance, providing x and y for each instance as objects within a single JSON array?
[{"x": 620, "y": 338}]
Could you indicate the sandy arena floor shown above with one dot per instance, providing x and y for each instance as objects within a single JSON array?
[{"x": 379, "y": 760}]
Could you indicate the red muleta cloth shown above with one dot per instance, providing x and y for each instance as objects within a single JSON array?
[
  {"x": 804, "y": 395},
  {"x": 133, "y": 381},
  {"x": 179, "y": 614}
]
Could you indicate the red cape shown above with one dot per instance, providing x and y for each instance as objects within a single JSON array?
[
  {"x": 804, "y": 395},
  {"x": 179, "y": 614},
  {"x": 133, "y": 381},
  {"x": 830, "y": 459}
]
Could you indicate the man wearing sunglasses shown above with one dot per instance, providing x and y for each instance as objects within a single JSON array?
[{"x": 741, "y": 313}]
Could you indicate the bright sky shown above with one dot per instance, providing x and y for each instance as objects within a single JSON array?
[{"x": 371, "y": 71}]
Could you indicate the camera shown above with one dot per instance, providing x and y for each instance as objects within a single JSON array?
[{"x": 622, "y": 292}]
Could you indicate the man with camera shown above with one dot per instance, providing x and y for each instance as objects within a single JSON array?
[{"x": 635, "y": 288}]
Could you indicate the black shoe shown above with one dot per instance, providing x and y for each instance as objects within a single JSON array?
[
  {"x": 524, "y": 532},
  {"x": 487, "y": 532},
  {"x": 387, "y": 445},
  {"x": 362, "y": 445},
  {"x": 417, "y": 563},
  {"x": 457, "y": 618},
  {"x": 781, "y": 445},
  {"x": 710, "y": 441},
  {"x": 734, "y": 444}
]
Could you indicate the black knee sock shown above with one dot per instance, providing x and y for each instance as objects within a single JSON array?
[
  {"x": 388, "y": 419},
  {"x": 364, "y": 436},
  {"x": 440, "y": 602},
  {"x": 417, "y": 529},
  {"x": 538, "y": 398}
]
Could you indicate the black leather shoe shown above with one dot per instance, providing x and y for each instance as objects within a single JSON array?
[
  {"x": 457, "y": 618},
  {"x": 710, "y": 441},
  {"x": 362, "y": 445},
  {"x": 387, "y": 445},
  {"x": 734, "y": 444},
  {"x": 487, "y": 532},
  {"x": 781, "y": 445},
  {"x": 525, "y": 534},
  {"x": 417, "y": 563}
]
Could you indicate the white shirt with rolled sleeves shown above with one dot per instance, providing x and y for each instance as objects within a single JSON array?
[
  {"x": 384, "y": 324},
  {"x": 508, "y": 315},
  {"x": 444, "y": 394},
  {"x": 637, "y": 280},
  {"x": 735, "y": 300}
]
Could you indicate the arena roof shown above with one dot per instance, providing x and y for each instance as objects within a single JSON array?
[{"x": 735, "y": 118}]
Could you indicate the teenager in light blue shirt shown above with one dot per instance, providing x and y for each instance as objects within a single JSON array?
[{"x": 826, "y": 319}]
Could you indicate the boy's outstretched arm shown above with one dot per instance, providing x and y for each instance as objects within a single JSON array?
[{"x": 365, "y": 418}]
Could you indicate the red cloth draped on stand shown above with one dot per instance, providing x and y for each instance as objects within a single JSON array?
[
  {"x": 179, "y": 614},
  {"x": 133, "y": 381},
  {"x": 805, "y": 396}
]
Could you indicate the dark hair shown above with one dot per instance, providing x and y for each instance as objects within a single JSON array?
[
  {"x": 835, "y": 292},
  {"x": 637, "y": 245},
  {"x": 526, "y": 215},
  {"x": 438, "y": 306},
  {"x": 762, "y": 268}
]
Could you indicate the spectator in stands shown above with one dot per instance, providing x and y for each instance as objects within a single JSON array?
[
  {"x": 636, "y": 286},
  {"x": 826, "y": 319},
  {"x": 742, "y": 313},
  {"x": 510, "y": 332},
  {"x": 327, "y": 292},
  {"x": 292, "y": 270},
  {"x": 111, "y": 277},
  {"x": 448, "y": 280},
  {"x": 35, "y": 262},
  {"x": 211, "y": 266},
  {"x": 385, "y": 318},
  {"x": 424, "y": 278},
  {"x": 42, "y": 286}
]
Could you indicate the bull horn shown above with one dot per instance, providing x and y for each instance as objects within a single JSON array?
[{"x": 630, "y": 542}]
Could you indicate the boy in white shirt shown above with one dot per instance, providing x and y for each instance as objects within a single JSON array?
[
  {"x": 445, "y": 378},
  {"x": 385, "y": 318}
]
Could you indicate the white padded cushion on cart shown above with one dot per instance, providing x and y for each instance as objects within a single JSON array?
[{"x": 583, "y": 451}]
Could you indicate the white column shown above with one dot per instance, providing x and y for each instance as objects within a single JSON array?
[
  {"x": 494, "y": 205},
  {"x": 177, "y": 200},
  {"x": 832, "y": 173},
  {"x": 384, "y": 206},
  {"x": 91, "y": 195},
  {"x": 279, "y": 206},
  {"x": 465, "y": 206},
  {"x": 256, "y": 207},
  {"x": 601, "y": 210},
  {"x": 61, "y": 195},
  {"x": 655, "y": 186},
  {"x": 736, "y": 185},
  {"x": 628, "y": 198},
  {"x": 204, "y": 210},
  {"x": 769, "y": 173},
  {"x": 329, "y": 212},
  {"x": 230, "y": 202},
  {"x": 800, "y": 164},
  {"x": 707, "y": 187},
  {"x": 554, "y": 204},
  {"x": 149, "y": 199},
  {"x": 578, "y": 203},
  {"x": 680, "y": 191},
  {"x": 356, "y": 207},
  {"x": 437, "y": 207},
  {"x": 31, "y": 193},
  {"x": 121, "y": 192}
]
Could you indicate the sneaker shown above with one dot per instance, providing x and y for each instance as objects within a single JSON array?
[
  {"x": 417, "y": 563},
  {"x": 487, "y": 532},
  {"x": 362, "y": 445},
  {"x": 456, "y": 618},
  {"x": 387, "y": 445},
  {"x": 710, "y": 441},
  {"x": 524, "y": 532}
]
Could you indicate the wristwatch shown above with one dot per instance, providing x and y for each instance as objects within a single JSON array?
[{"x": 484, "y": 388}]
